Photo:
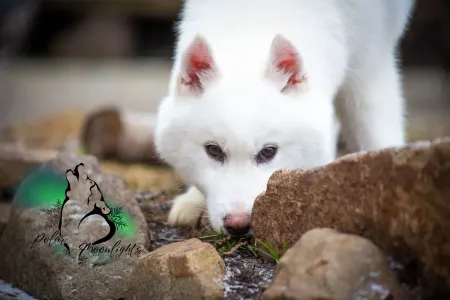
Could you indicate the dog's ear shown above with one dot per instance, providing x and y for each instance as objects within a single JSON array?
[
  {"x": 285, "y": 66},
  {"x": 197, "y": 68}
]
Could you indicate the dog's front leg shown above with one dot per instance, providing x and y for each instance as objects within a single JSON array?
[{"x": 187, "y": 208}]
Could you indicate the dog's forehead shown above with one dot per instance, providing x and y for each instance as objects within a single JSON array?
[
  {"x": 241, "y": 92},
  {"x": 240, "y": 129},
  {"x": 236, "y": 106}
]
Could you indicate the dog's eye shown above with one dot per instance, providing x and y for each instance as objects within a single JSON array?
[
  {"x": 215, "y": 152},
  {"x": 266, "y": 154}
]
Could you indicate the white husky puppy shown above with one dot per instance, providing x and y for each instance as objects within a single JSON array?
[{"x": 260, "y": 85}]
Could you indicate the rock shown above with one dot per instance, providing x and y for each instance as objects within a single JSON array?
[
  {"x": 123, "y": 135},
  {"x": 17, "y": 162},
  {"x": 68, "y": 263},
  {"x": 49, "y": 133},
  {"x": 325, "y": 264},
  {"x": 186, "y": 270},
  {"x": 397, "y": 198}
]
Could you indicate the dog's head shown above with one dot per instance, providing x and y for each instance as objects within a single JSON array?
[{"x": 227, "y": 132}]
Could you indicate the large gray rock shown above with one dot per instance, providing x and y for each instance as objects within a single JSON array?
[
  {"x": 33, "y": 251},
  {"x": 325, "y": 264}
]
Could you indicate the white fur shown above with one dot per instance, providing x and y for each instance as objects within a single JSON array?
[
  {"x": 187, "y": 208},
  {"x": 348, "y": 53}
]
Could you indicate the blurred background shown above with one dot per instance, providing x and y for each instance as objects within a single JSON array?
[
  {"x": 69, "y": 69},
  {"x": 64, "y": 60},
  {"x": 63, "y": 54}
]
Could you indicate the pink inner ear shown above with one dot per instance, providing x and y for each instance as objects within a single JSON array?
[
  {"x": 286, "y": 60},
  {"x": 288, "y": 63},
  {"x": 198, "y": 61}
]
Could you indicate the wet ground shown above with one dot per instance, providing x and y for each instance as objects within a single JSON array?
[
  {"x": 8, "y": 292},
  {"x": 247, "y": 275}
]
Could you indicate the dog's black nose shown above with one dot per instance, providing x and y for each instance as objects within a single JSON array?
[{"x": 238, "y": 231}]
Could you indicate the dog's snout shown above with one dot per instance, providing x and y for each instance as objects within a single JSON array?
[{"x": 237, "y": 224}]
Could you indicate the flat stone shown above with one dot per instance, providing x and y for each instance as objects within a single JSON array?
[
  {"x": 397, "y": 198},
  {"x": 33, "y": 246},
  {"x": 16, "y": 162},
  {"x": 325, "y": 264},
  {"x": 185, "y": 270},
  {"x": 48, "y": 132}
]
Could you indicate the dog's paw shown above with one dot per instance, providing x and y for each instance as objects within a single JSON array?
[{"x": 187, "y": 208}]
